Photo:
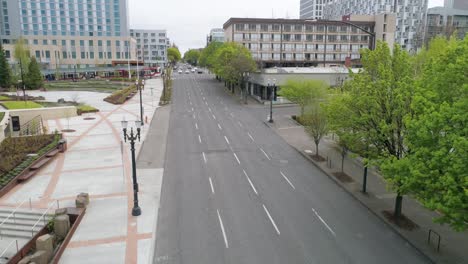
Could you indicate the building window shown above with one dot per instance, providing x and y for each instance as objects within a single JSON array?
[
  {"x": 264, "y": 27},
  {"x": 83, "y": 55}
]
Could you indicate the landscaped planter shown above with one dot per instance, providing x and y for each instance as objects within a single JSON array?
[{"x": 15, "y": 180}]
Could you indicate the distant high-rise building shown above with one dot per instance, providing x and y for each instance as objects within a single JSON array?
[
  {"x": 312, "y": 9},
  {"x": 410, "y": 15},
  {"x": 64, "y": 34},
  {"x": 456, "y": 4},
  {"x": 216, "y": 34},
  {"x": 151, "y": 46},
  {"x": 444, "y": 21}
]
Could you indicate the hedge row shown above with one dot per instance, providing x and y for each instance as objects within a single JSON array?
[{"x": 119, "y": 97}]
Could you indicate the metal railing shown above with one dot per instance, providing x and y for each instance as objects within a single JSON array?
[
  {"x": 8, "y": 247},
  {"x": 32, "y": 127},
  {"x": 43, "y": 217},
  {"x": 14, "y": 214}
]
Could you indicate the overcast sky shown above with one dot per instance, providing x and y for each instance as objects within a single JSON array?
[{"x": 188, "y": 22}]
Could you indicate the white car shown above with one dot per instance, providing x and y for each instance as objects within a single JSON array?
[
  {"x": 180, "y": 71},
  {"x": 193, "y": 70},
  {"x": 187, "y": 71}
]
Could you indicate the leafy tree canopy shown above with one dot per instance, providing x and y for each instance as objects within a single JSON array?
[
  {"x": 207, "y": 56},
  {"x": 33, "y": 79},
  {"x": 5, "y": 71},
  {"x": 303, "y": 92},
  {"x": 173, "y": 54},
  {"x": 232, "y": 60},
  {"x": 192, "y": 56}
]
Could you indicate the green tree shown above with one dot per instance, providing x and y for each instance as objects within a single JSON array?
[
  {"x": 315, "y": 122},
  {"x": 191, "y": 56},
  {"x": 438, "y": 135},
  {"x": 22, "y": 56},
  {"x": 302, "y": 91},
  {"x": 5, "y": 71},
  {"x": 232, "y": 60},
  {"x": 33, "y": 79},
  {"x": 208, "y": 55},
  {"x": 375, "y": 102},
  {"x": 173, "y": 55}
]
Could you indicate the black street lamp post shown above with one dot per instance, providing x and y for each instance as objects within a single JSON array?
[
  {"x": 245, "y": 76},
  {"x": 132, "y": 137},
  {"x": 272, "y": 89},
  {"x": 139, "y": 87}
]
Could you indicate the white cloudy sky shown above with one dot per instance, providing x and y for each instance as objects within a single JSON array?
[{"x": 189, "y": 21}]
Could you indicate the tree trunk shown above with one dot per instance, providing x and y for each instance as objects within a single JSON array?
[
  {"x": 398, "y": 206},
  {"x": 316, "y": 149}
]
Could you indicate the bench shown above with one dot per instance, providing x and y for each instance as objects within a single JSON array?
[
  {"x": 39, "y": 164},
  {"x": 26, "y": 176},
  {"x": 52, "y": 153}
]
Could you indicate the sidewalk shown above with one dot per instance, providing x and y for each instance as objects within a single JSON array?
[
  {"x": 453, "y": 247},
  {"x": 98, "y": 163}
]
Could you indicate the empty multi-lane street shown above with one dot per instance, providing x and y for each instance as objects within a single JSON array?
[{"x": 235, "y": 192}]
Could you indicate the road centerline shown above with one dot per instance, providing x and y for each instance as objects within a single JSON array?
[
  {"x": 250, "y": 136},
  {"x": 227, "y": 140},
  {"x": 199, "y": 138},
  {"x": 219, "y": 126},
  {"x": 238, "y": 161},
  {"x": 211, "y": 184},
  {"x": 204, "y": 156}
]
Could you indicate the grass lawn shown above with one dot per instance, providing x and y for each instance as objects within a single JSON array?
[
  {"x": 2, "y": 114},
  {"x": 86, "y": 108},
  {"x": 85, "y": 85},
  {"x": 20, "y": 104},
  {"x": 4, "y": 98}
]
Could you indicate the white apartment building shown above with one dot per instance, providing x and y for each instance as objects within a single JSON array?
[
  {"x": 312, "y": 9},
  {"x": 410, "y": 16},
  {"x": 299, "y": 42},
  {"x": 216, "y": 34},
  {"x": 151, "y": 46}
]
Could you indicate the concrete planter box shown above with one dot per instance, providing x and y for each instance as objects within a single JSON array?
[{"x": 75, "y": 215}]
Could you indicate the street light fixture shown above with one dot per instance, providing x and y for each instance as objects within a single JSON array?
[
  {"x": 132, "y": 137},
  {"x": 272, "y": 89}
]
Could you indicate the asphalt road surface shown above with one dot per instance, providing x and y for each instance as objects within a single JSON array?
[{"x": 235, "y": 192}]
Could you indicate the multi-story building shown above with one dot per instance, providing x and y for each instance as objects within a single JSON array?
[
  {"x": 456, "y": 4},
  {"x": 410, "y": 15},
  {"x": 312, "y": 9},
  {"x": 298, "y": 42},
  {"x": 68, "y": 34},
  {"x": 151, "y": 46},
  {"x": 443, "y": 21},
  {"x": 216, "y": 34}
]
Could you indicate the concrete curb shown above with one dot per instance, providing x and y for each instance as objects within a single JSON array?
[{"x": 353, "y": 194}]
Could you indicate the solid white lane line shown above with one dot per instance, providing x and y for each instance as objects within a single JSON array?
[
  {"x": 250, "y": 136},
  {"x": 219, "y": 126},
  {"x": 251, "y": 184},
  {"x": 222, "y": 229},
  {"x": 196, "y": 126},
  {"x": 264, "y": 153},
  {"x": 199, "y": 138},
  {"x": 271, "y": 219},
  {"x": 320, "y": 218},
  {"x": 286, "y": 178},
  {"x": 227, "y": 140},
  {"x": 204, "y": 157},
  {"x": 238, "y": 161},
  {"x": 211, "y": 184},
  {"x": 214, "y": 117}
]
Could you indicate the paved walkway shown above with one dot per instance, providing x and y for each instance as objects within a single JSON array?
[
  {"x": 97, "y": 162},
  {"x": 454, "y": 245}
]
